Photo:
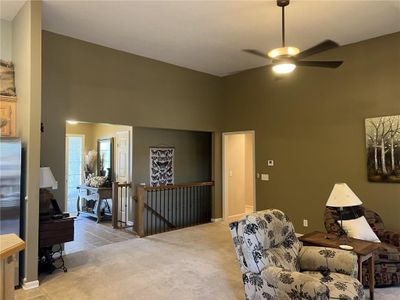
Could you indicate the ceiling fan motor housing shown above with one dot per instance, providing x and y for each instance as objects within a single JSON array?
[{"x": 282, "y": 3}]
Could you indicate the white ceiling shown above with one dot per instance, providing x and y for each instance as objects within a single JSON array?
[
  {"x": 8, "y": 9},
  {"x": 208, "y": 35}
]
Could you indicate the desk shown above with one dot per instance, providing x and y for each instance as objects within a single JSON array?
[
  {"x": 54, "y": 232},
  {"x": 10, "y": 244},
  {"x": 363, "y": 249},
  {"x": 92, "y": 193}
]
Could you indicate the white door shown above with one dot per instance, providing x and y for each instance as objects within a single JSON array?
[
  {"x": 73, "y": 169},
  {"x": 122, "y": 170},
  {"x": 122, "y": 163}
]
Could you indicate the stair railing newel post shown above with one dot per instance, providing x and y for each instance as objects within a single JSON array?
[{"x": 139, "y": 211}]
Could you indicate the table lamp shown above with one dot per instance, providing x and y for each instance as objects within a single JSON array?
[
  {"x": 47, "y": 181},
  {"x": 342, "y": 196}
]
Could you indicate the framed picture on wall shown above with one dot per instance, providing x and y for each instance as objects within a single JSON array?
[
  {"x": 383, "y": 148},
  {"x": 161, "y": 166}
]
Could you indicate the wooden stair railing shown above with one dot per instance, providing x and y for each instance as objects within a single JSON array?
[
  {"x": 121, "y": 196},
  {"x": 164, "y": 208}
]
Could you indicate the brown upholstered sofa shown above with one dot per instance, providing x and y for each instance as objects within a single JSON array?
[{"x": 387, "y": 259}]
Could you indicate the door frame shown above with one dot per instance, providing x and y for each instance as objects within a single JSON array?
[
  {"x": 224, "y": 177},
  {"x": 66, "y": 163}
]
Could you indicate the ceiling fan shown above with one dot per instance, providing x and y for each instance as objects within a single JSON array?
[{"x": 285, "y": 59}]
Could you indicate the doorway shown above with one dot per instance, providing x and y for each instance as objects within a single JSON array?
[
  {"x": 74, "y": 169},
  {"x": 101, "y": 151},
  {"x": 239, "y": 197}
]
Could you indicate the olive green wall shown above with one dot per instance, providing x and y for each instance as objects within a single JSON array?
[
  {"x": 312, "y": 124},
  {"x": 5, "y": 40},
  {"x": 88, "y": 82},
  {"x": 192, "y": 161},
  {"x": 26, "y": 54}
]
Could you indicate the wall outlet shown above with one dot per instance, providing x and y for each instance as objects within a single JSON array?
[
  {"x": 305, "y": 223},
  {"x": 264, "y": 177},
  {"x": 230, "y": 173},
  {"x": 270, "y": 163}
]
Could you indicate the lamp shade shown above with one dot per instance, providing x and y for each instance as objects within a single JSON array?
[
  {"x": 342, "y": 196},
  {"x": 47, "y": 179}
]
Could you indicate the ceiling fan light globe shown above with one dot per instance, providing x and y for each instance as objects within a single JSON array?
[
  {"x": 284, "y": 68},
  {"x": 283, "y": 51}
]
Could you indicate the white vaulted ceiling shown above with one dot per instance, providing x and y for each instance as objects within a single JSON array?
[{"x": 208, "y": 35}]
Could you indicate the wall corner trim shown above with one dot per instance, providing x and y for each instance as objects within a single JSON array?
[{"x": 27, "y": 285}]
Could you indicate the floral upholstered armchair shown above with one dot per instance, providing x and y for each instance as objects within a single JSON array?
[
  {"x": 387, "y": 258},
  {"x": 275, "y": 265}
]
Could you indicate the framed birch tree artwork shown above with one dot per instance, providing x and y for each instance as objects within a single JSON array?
[{"x": 383, "y": 149}]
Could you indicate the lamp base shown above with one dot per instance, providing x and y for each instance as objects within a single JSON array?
[
  {"x": 342, "y": 236},
  {"x": 44, "y": 204}
]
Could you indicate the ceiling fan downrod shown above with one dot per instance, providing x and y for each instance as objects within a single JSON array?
[{"x": 283, "y": 3}]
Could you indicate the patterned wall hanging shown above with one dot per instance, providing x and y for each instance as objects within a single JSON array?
[
  {"x": 161, "y": 166},
  {"x": 383, "y": 149}
]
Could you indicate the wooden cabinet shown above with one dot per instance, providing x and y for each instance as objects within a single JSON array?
[
  {"x": 56, "y": 231},
  {"x": 8, "y": 116}
]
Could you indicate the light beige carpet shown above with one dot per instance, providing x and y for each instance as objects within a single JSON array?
[{"x": 192, "y": 263}]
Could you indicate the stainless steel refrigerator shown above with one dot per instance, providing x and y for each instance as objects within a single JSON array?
[{"x": 10, "y": 187}]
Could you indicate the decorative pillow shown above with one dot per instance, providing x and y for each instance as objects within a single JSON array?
[{"x": 360, "y": 229}]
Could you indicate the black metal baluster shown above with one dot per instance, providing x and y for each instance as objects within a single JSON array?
[
  {"x": 152, "y": 215},
  {"x": 126, "y": 205},
  {"x": 147, "y": 212},
  {"x": 196, "y": 189},
  {"x": 181, "y": 204},
  {"x": 193, "y": 206},
  {"x": 192, "y": 210},
  {"x": 180, "y": 208},
  {"x": 197, "y": 205},
  {"x": 188, "y": 207},
  {"x": 201, "y": 204},
  {"x": 159, "y": 211},
  {"x": 168, "y": 210},
  {"x": 184, "y": 206},
  {"x": 150, "y": 193},
  {"x": 209, "y": 203},
  {"x": 172, "y": 206},
  {"x": 164, "y": 211}
]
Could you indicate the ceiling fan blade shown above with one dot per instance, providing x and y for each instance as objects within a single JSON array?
[
  {"x": 321, "y": 64},
  {"x": 255, "y": 52},
  {"x": 325, "y": 45}
]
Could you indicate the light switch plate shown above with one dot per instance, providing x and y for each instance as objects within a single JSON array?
[
  {"x": 270, "y": 163},
  {"x": 264, "y": 177}
]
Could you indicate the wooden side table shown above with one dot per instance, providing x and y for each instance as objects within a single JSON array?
[
  {"x": 99, "y": 195},
  {"x": 54, "y": 232},
  {"x": 363, "y": 249}
]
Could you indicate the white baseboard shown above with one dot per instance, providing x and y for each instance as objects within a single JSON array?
[
  {"x": 27, "y": 285},
  {"x": 216, "y": 220}
]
